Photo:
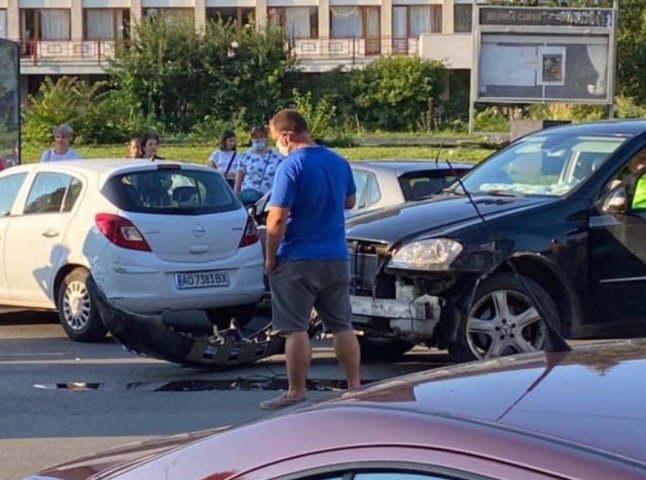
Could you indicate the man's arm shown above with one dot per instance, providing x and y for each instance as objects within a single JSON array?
[
  {"x": 350, "y": 201},
  {"x": 276, "y": 226}
]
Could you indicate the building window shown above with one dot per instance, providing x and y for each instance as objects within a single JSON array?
[
  {"x": 412, "y": 21},
  {"x": 463, "y": 18},
  {"x": 299, "y": 22},
  {"x": 171, "y": 15},
  {"x": 50, "y": 24},
  {"x": 106, "y": 24},
  {"x": 239, "y": 16},
  {"x": 358, "y": 22},
  {"x": 3, "y": 24}
]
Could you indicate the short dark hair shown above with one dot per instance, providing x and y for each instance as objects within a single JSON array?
[
  {"x": 259, "y": 130},
  {"x": 289, "y": 120},
  {"x": 226, "y": 135},
  {"x": 147, "y": 136}
]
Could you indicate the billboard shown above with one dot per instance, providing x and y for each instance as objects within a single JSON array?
[
  {"x": 530, "y": 55},
  {"x": 9, "y": 103}
]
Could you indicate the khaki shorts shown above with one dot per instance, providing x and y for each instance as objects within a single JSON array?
[{"x": 297, "y": 287}]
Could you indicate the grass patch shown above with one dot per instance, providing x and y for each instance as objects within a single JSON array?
[{"x": 200, "y": 153}]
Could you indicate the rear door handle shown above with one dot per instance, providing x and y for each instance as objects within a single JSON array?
[{"x": 51, "y": 233}]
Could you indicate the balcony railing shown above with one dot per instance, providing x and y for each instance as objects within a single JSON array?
[
  {"x": 97, "y": 52},
  {"x": 56, "y": 51},
  {"x": 352, "y": 49}
]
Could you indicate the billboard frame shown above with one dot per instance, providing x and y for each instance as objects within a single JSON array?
[{"x": 535, "y": 29}]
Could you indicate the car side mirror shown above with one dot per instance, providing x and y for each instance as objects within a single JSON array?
[{"x": 616, "y": 202}]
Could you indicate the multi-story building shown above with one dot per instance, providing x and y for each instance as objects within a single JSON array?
[{"x": 76, "y": 37}]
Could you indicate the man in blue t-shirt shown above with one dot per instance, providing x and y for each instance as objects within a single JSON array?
[{"x": 307, "y": 256}]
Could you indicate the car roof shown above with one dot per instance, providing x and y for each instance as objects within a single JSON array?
[
  {"x": 590, "y": 396},
  {"x": 623, "y": 128},
  {"x": 101, "y": 166},
  {"x": 402, "y": 167}
]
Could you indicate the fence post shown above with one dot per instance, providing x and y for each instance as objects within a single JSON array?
[{"x": 99, "y": 46}]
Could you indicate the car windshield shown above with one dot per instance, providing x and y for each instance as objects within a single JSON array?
[
  {"x": 548, "y": 165},
  {"x": 177, "y": 191}
]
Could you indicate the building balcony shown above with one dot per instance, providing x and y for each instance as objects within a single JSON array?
[
  {"x": 65, "y": 57},
  {"x": 323, "y": 54}
]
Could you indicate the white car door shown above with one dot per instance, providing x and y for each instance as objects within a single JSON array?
[
  {"x": 35, "y": 239},
  {"x": 10, "y": 186}
]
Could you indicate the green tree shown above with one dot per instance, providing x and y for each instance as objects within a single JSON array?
[
  {"x": 631, "y": 63},
  {"x": 181, "y": 77},
  {"x": 396, "y": 93},
  {"x": 93, "y": 110}
]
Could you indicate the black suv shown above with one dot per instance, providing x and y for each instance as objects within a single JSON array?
[{"x": 545, "y": 227}]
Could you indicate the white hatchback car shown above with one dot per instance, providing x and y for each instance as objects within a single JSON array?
[{"x": 153, "y": 235}]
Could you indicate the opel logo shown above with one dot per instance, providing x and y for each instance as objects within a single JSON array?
[{"x": 199, "y": 231}]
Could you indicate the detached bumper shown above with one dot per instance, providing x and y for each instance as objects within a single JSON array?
[
  {"x": 151, "y": 335},
  {"x": 414, "y": 318}
]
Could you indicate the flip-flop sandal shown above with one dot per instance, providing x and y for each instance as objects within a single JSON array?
[{"x": 279, "y": 402}]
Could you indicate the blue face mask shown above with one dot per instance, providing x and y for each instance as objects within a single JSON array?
[{"x": 258, "y": 145}]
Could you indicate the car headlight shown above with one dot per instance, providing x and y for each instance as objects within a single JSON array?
[{"x": 434, "y": 254}]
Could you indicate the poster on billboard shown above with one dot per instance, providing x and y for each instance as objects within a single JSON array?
[
  {"x": 9, "y": 104},
  {"x": 552, "y": 64}
]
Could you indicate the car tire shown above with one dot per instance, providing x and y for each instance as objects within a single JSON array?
[
  {"x": 77, "y": 310},
  {"x": 502, "y": 319},
  {"x": 382, "y": 348}
]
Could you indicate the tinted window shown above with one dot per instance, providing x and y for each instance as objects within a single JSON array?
[
  {"x": 419, "y": 185},
  {"x": 165, "y": 191},
  {"x": 49, "y": 193},
  {"x": 368, "y": 192},
  {"x": 551, "y": 164},
  {"x": 9, "y": 188}
]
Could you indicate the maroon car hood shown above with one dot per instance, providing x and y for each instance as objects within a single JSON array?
[
  {"x": 596, "y": 392},
  {"x": 591, "y": 396},
  {"x": 121, "y": 458}
]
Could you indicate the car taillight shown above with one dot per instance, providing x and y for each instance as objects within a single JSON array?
[
  {"x": 250, "y": 235},
  {"x": 121, "y": 231}
]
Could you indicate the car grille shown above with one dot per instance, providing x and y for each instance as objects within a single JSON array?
[{"x": 366, "y": 261}]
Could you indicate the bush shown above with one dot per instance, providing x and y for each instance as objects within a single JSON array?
[
  {"x": 97, "y": 114},
  {"x": 395, "y": 93},
  {"x": 491, "y": 119},
  {"x": 320, "y": 115}
]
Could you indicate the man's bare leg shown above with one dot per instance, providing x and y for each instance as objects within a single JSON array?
[
  {"x": 346, "y": 348},
  {"x": 298, "y": 354}
]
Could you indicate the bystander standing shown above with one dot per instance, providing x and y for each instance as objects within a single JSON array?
[
  {"x": 224, "y": 158},
  {"x": 61, "y": 151},
  {"x": 256, "y": 168},
  {"x": 134, "y": 148},
  {"x": 307, "y": 256},
  {"x": 149, "y": 146}
]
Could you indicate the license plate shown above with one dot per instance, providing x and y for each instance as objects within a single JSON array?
[{"x": 215, "y": 278}]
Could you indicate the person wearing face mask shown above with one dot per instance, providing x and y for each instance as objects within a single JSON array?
[
  {"x": 256, "y": 168},
  {"x": 307, "y": 259}
]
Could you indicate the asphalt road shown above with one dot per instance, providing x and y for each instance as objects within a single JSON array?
[{"x": 60, "y": 399}]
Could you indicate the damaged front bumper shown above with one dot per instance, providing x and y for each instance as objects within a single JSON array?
[{"x": 410, "y": 316}]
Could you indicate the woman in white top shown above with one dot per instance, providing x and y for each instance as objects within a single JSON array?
[
  {"x": 61, "y": 151},
  {"x": 224, "y": 158}
]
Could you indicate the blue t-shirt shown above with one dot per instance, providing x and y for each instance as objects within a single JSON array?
[{"x": 313, "y": 183}]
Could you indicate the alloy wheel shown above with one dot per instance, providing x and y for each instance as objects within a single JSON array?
[
  {"x": 76, "y": 305},
  {"x": 504, "y": 322}
]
